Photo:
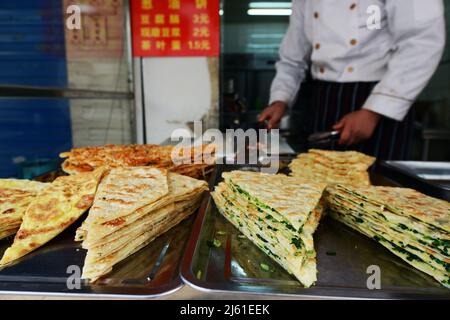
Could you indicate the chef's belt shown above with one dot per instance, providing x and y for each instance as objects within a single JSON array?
[{"x": 331, "y": 101}]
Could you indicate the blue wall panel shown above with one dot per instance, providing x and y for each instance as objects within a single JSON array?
[
  {"x": 32, "y": 130},
  {"x": 32, "y": 52}
]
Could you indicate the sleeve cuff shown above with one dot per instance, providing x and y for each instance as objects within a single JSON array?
[
  {"x": 280, "y": 96},
  {"x": 388, "y": 106}
]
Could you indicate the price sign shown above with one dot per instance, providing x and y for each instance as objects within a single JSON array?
[{"x": 175, "y": 28}]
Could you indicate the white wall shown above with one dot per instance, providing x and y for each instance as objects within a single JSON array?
[
  {"x": 177, "y": 91},
  {"x": 98, "y": 122},
  {"x": 97, "y": 60}
]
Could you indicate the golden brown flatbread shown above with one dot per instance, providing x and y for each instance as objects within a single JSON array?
[
  {"x": 411, "y": 225},
  {"x": 123, "y": 219},
  {"x": 15, "y": 197},
  {"x": 53, "y": 210},
  {"x": 193, "y": 161},
  {"x": 277, "y": 213},
  {"x": 333, "y": 167}
]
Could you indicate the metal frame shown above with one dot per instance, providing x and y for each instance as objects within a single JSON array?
[
  {"x": 35, "y": 92},
  {"x": 429, "y": 135},
  {"x": 408, "y": 174},
  {"x": 136, "y": 77},
  {"x": 224, "y": 285},
  {"x": 139, "y": 97},
  {"x": 7, "y": 91},
  {"x": 133, "y": 85},
  {"x": 92, "y": 296},
  {"x": 189, "y": 278}
]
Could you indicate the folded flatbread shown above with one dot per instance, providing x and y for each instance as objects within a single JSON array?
[
  {"x": 277, "y": 213},
  {"x": 59, "y": 205},
  {"x": 99, "y": 263},
  {"x": 120, "y": 194},
  {"x": 411, "y": 225},
  {"x": 193, "y": 161},
  {"x": 333, "y": 167},
  {"x": 350, "y": 159},
  {"x": 15, "y": 197},
  {"x": 125, "y": 218},
  {"x": 109, "y": 214}
]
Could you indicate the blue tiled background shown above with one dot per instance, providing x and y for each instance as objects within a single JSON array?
[{"x": 32, "y": 53}]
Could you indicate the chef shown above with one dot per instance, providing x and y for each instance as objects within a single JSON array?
[{"x": 369, "y": 59}]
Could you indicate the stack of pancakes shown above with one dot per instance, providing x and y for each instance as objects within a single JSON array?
[
  {"x": 195, "y": 162},
  {"x": 413, "y": 226},
  {"x": 49, "y": 212},
  {"x": 15, "y": 197},
  {"x": 333, "y": 167},
  {"x": 278, "y": 213},
  {"x": 132, "y": 207}
]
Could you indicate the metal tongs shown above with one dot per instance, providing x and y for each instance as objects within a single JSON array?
[{"x": 321, "y": 138}]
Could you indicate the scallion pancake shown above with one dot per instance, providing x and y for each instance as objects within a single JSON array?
[
  {"x": 289, "y": 197},
  {"x": 179, "y": 188},
  {"x": 411, "y": 225},
  {"x": 277, "y": 213},
  {"x": 15, "y": 197},
  {"x": 101, "y": 267},
  {"x": 55, "y": 208}
]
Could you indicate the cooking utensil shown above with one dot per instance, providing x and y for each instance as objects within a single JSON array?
[{"x": 324, "y": 137}]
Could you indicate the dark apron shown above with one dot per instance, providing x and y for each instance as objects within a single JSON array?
[{"x": 332, "y": 101}]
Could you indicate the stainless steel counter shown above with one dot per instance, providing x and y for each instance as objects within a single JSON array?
[{"x": 185, "y": 293}]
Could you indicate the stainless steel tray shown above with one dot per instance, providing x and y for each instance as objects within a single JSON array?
[
  {"x": 151, "y": 272},
  {"x": 432, "y": 178},
  {"x": 343, "y": 256}
]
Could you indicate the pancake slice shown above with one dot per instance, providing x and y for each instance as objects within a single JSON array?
[
  {"x": 290, "y": 198},
  {"x": 195, "y": 161},
  {"x": 279, "y": 214},
  {"x": 24, "y": 185},
  {"x": 117, "y": 230},
  {"x": 15, "y": 197},
  {"x": 94, "y": 269},
  {"x": 176, "y": 188},
  {"x": 121, "y": 193},
  {"x": 8, "y": 232},
  {"x": 411, "y": 225},
  {"x": 52, "y": 211},
  {"x": 353, "y": 159},
  {"x": 115, "y": 240},
  {"x": 333, "y": 167}
]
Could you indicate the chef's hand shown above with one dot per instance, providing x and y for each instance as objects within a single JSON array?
[
  {"x": 273, "y": 114},
  {"x": 357, "y": 126}
]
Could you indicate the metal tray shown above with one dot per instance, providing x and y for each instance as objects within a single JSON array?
[
  {"x": 432, "y": 178},
  {"x": 343, "y": 256},
  {"x": 151, "y": 272}
]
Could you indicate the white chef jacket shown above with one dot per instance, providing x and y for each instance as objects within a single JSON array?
[{"x": 337, "y": 38}]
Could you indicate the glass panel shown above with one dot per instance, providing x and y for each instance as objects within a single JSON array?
[
  {"x": 34, "y": 131},
  {"x": 99, "y": 122},
  {"x": 250, "y": 45},
  {"x": 433, "y": 110},
  {"x": 32, "y": 43},
  {"x": 97, "y": 53},
  {"x": 37, "y": 48}
]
